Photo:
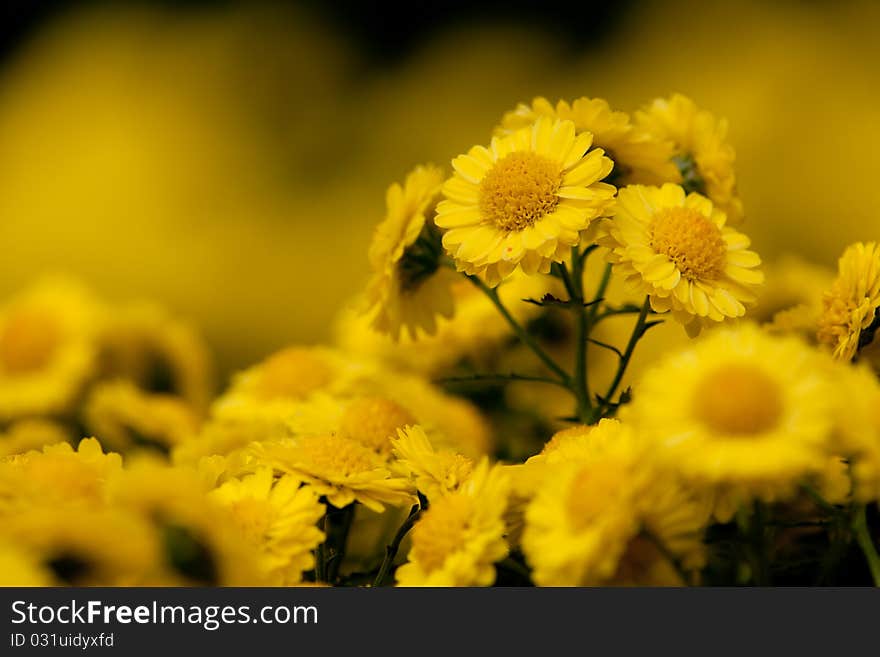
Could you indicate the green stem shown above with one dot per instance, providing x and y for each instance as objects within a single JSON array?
[
  {"x": 321, "y": 552},
  {"x": 863, "y": 538},
  {"x": 340, "y": 525},
  {"x": 580, "y": 386},
  {"x": 600, "y": 293},
  {"x": 674, "y": 561},
  {"x": 500, "y": 378},
  {"x": 638, "y": 331},
  {"x": 520, "y": 332},
  {"x": 392, "y": 549}
]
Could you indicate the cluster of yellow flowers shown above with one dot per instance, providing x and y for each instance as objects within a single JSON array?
[{"x": 460, "y": 431}]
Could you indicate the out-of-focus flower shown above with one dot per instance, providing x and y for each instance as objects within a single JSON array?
[
  {"x": 638, "y": 156},
  {"x": 602, "y": 509},
  {"x": 410, "y": 286},
  {"x": 126, "y": 417},
  {"x": 157, "y": 352},
  {"x": 460, "y": 537},
  {"x": 850, "y": 306},
  {"x": 199, "y": 542},
  {"x": 27, "y": 435},
  {"x": 47, "y": 349},
  {"x": 57, "y": 474},
  {"x": 278, "y": 519},
  {"x": 702, "y": 153},
  {"x": 728, "y": 417},
  {"x": 790, "y": 301},
  {"x": 676, "y": 249},
  {"x": 524, "y": 201}
]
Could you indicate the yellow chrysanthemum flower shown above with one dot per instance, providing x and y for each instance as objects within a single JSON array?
[
  {"x": 47, "y": 349},
  {"x": 200, "y": 542},
  {"x": 88, "y": 546},
  {"x": 741, "y": 412},
  {"x": 460, "y": 537},
  {"x": 126, "y": 417},
  {"x": 160, "y": 353},
  {"x": 524, "y": 201},
  {"x": 57, "y": 474},
  {"x": 27, "y": 435},
  {"x": 339, "y": 468},
  {"x": 676, "y": 249},
  {"x": 410, "y": 286},
  {"x": 278, "y": 518},
  {"x": 639, "y": 157},
  {"x": 601, "y": 509},
  {"x": 435, "y": 472},
  {"x": 849, "y": 307},
  {"x": 704, "y": 157}
]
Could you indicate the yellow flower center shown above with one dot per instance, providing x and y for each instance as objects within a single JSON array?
[
  {"x": 738, "y": 400},
  {"x": 334, "y": 457},
  {"x": 252, "y": 516},
  {"x": 456, "y": 469},
  {"x": 28, "y": 341},
  {"x": 294, "y": 373},
  {"x": 519, "y": 190},
  {"x": 441, "y": 531},
  {"x": 372, "y": 421},
  {"x": 591, "y": 491},
  {"x": 691, "y": 240}
]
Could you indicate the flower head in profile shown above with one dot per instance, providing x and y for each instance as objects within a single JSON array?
[
  {"x": 849, "y": 308},
  {"x": 602, "y": 511},
  {"x": 524, "y": 201},
  {"x": 701, "y": 151},
  {"x": 410, "y": 287},
  {"x": 339, "y": 468},
  {"x": 435, "y": 472},
  {"x": 677, "y": 249},
  {"x": 457, "y": 541},
  {"x": 639, "y": 157},
  {"x": 278, "y": 518},
  {"x": 741, "y": 412}
]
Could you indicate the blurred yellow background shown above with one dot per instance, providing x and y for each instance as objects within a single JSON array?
[{"x": 231, "y": 163}]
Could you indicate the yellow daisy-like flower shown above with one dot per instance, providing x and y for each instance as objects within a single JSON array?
[
  {"x": 678, "y": 250},
  {"x": 435, "y": 472},
  {"x": 704, "y": 157},
  {"x": 460, "y": 537},
  {"x": 126, "y": 417},
  {"x": 410, "y": 287},
  {"x": 339, "y": 468},
  {"x": 849, "y": 307},
  {"x": 88, "y": 546},
  {"x": 524, "y": 201},
  {"x": 27, "y": 435},
  {"x": 639, "y": 157},
  {"x": 57, "y": 474},
  {"x": 47, "y": 349},
  {"x": 201, "y": 544},
  {"x": 603, "y": 510},
  {"x": 279, "y": 519},
  {"x": 742, "y": 412}
]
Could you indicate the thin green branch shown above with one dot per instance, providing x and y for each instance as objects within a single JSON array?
[
  {"x": 499, "y": 378},
  {"x": 863, "y": 538},
  {"x": 638, "y": 331},
  {"x": 520, "y": 332},
  {"x": 391, "y": 550}
]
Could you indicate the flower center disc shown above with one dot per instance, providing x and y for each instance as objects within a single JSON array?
[
  {"x": 690, "y": 240},
  {"x": 738, "y": 400},
  {"x": 591, "y": 491},
  {"x": 28, "y": 342},
  {"x": 373, "y": 421},
  {"x": 293, "y": 373},
  {"x": 519, "y": 190}
]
